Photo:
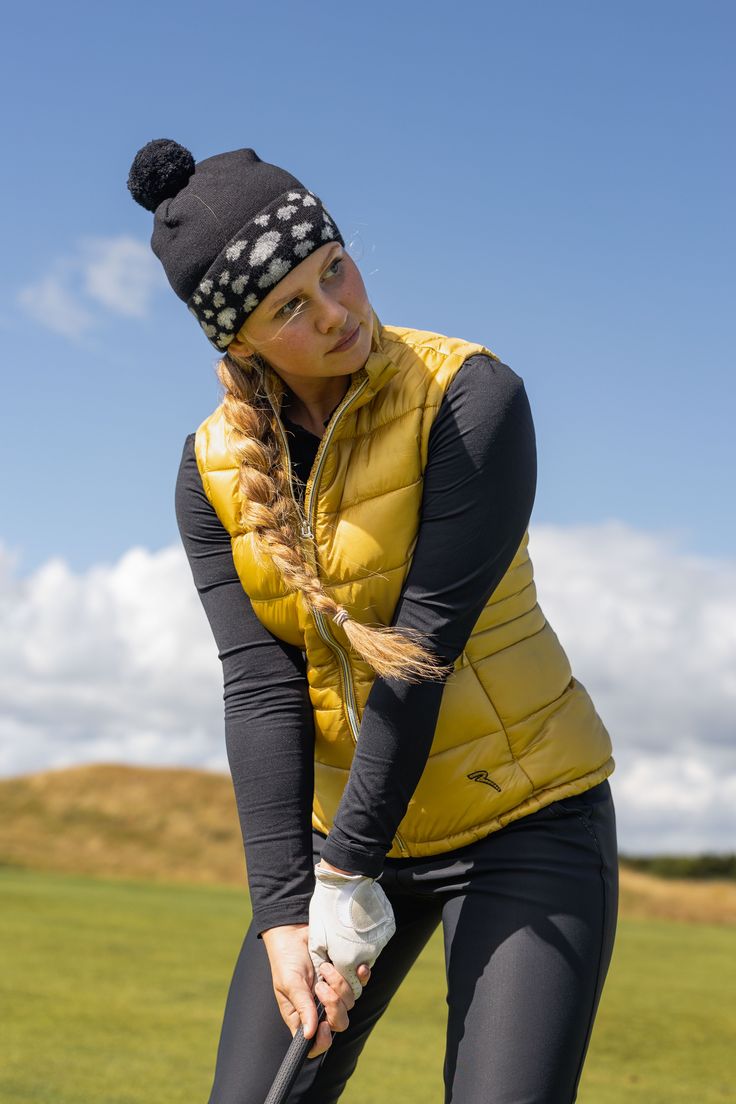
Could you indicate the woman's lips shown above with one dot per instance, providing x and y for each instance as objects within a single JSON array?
[{"x": 347, "y": 342}]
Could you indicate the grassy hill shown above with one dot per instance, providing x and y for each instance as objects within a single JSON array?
[
  {"x": 169, "y": 825},
  {"x": 181, "y": 825}
]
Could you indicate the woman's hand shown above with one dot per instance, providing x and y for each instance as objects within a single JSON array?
[
  {"x": 350, "y": 922},
  {"x": 293, "y": 977}
]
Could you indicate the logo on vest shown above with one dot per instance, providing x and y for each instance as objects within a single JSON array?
[{"x": 482, "y": 776}]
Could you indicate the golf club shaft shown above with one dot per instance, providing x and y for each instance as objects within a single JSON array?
[{"x": 293, "y": 1061}]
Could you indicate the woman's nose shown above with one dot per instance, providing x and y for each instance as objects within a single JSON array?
[{"x": 330, "y": 314}]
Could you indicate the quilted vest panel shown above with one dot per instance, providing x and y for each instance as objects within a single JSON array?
[{"x": 515, "y": 730}]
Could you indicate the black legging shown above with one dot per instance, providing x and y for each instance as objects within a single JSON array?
[{"x": 529, "y": 920}]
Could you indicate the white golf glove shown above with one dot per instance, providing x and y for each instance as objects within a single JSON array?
[{"x": 350, "y": 922}]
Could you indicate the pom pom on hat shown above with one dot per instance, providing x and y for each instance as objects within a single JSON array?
[{"x": 160, "y": 169}]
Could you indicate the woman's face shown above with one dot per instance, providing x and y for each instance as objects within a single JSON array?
[{"x": 316, "y": 306}]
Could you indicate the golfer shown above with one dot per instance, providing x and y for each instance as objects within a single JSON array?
[{"x": 408, "y": 745}]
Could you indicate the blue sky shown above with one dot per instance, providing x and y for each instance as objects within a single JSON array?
[{"x": 554, "y": 180}]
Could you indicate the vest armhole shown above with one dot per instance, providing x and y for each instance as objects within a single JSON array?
[{"x": 200, "y": 453}]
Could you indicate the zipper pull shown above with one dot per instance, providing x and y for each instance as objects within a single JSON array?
[{"x": 306, "y": 531}]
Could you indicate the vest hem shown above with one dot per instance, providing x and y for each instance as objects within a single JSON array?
[{"x": 421, "y": 849}]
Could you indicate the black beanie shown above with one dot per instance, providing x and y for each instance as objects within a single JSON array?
[{"x": 226, "y": 230}]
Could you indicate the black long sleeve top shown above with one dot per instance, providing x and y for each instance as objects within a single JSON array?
[{"x": 477, "y": 497}]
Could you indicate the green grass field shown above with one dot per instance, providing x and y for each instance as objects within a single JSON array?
[{"x": 112, "y": 993}]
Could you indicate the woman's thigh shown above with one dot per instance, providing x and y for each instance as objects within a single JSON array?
[
  {"x": 254, "y": 1038},
  {"x": 528, "y": 942}
]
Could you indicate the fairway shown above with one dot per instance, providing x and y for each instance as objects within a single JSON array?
[{"x": 113, "y": 992}]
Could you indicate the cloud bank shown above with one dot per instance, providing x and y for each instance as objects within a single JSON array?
[
  {"x": 104, "y": 275},
  {"x": 118, "y": 664},
  {"x": 652, "y": 635}
]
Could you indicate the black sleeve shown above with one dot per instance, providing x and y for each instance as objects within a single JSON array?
[
  {"x": 269, "y": 730},
  {"x": 478, "y": 493}
]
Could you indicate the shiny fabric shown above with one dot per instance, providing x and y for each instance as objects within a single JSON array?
[{"x": 516, "y": 730}]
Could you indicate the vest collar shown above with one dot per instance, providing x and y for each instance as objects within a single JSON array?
[{"x": 378, "y": 369}]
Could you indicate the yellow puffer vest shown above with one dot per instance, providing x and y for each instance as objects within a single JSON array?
[{"x": 515, "y": 730}]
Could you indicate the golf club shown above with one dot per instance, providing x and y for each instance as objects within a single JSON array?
[{"x": 293, "y": 1061}]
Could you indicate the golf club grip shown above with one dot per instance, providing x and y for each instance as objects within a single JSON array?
[{"x": 292, "y": 1063}]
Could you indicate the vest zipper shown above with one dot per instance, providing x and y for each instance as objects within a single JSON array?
[{"x": 307, "y": 516}]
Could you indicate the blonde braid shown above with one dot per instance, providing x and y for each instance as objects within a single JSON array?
[{"x": 270, "y": 512}]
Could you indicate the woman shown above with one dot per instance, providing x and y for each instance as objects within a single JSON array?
[{"x": 407, "y": 742}]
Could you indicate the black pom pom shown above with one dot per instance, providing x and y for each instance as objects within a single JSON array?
[{"x": 159, "y": 170}]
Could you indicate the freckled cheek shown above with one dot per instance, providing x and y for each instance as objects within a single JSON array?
[
  {"x": 354, "y": 286},
  {"x": 357, "y": 303},
  {"x": 299, "y": 350},
  {"x": 288, "y": 351}
]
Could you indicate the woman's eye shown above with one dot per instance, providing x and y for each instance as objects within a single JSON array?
[{"x": 289, "y": 307}]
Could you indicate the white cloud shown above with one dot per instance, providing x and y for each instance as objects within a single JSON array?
[
  {"x": 118, "y": 664},
  {"x": 50, "y": 302},
  {"x": 119, "y": 274},
  {"x": 651, "y": 633}
]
